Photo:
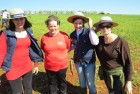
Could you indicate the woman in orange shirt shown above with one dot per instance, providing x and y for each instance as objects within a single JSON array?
[{"x": 56, "y": 45}]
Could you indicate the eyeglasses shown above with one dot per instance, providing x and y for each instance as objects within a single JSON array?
[{"x": 102, "y": 26}]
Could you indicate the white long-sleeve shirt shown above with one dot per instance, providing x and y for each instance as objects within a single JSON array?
[{"x": 93, "y": 37}]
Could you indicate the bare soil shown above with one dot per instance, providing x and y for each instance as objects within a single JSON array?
[{"x": 40, "y": 84}]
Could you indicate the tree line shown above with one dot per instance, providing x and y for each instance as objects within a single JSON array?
[{"x": 29, "y": 12}]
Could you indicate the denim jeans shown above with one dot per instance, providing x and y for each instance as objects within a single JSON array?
[
  {"x": 5, "y": 21},
  {"x": 86, "y": 74},
  {"x": 26, "y": 80},
  {"x": 57, "y": 82}
]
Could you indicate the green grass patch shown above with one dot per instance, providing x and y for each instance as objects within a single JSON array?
[{"x": 128, "y": 29}]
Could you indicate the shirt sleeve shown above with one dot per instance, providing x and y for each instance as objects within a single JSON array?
[
  {"x": 3, "y": 47},
  {"x": 68, "y": 41},
  {"x": 93, "y": 37},
  {"x": 126, "y": 60},
  {"x": 42, "y": 44}
]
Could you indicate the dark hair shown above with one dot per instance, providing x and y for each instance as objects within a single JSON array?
[
  {"x": 79, "y": 18},
  {"x": 26, "y": 25},
  {"x": 52, "y": 18}
]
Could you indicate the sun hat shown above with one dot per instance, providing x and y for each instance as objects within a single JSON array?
[
  {"x": 105, "y": 19},
  {"x": 16, "y": 13},
  {"x": 77, "y": 15}
]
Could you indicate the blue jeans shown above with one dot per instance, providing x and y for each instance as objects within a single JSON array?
[
  {"x": 86, "y": 74},
  {"x": 5, "y": 21}
]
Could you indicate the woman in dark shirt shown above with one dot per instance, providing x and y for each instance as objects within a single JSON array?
[{"x": 114, "y": 55}]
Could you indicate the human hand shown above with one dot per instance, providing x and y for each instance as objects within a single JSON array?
[
  {"x": 35, "y": 70},
  {"x": 90, "y": 22},
  {"x": 128, "y": 87}
]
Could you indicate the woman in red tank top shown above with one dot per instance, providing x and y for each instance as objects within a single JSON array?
[{"x": 16, "y": 57}]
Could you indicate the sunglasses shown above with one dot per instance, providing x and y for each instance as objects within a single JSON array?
[{"x": 102, "y": 26}]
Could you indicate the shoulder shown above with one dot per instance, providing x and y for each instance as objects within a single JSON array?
[
  {"x": 122, "y": 39},
  {"x": 122, "y": 42},
  {"x": 3, "y": 32},
  {"x": 45, "y": 35},
  {"x": 29, "y": 30},
  {"x": 86, "y": 29},
  {"x": 64, "y": 33},
  {"x": 2, "y": 35},
  {"x": 73, "y": 33},
  {"x": 6, "y": 31}
]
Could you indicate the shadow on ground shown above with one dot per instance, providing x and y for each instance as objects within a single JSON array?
[
  {"x": 4, "y": 85},
  {"x": 40, "y": 85}
]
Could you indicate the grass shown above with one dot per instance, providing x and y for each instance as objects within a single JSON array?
[{"x": 128, "y": 29}]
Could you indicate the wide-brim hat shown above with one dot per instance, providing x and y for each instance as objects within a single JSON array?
[
  {"x": 17, "y": 13},
  {"x": 78, "y": 15},
  {"x": 105, "y": 19}
]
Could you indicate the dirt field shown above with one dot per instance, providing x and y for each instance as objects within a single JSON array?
[{"x": 40, "y": 84}]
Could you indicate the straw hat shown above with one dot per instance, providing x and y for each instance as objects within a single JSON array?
[
  {"x": 77, "y": 15},
  {"x": 105, "y": 19},
  {"x": 16, "y": 13}
]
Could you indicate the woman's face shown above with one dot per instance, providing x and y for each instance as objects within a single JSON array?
[
  {"x": 78, "y": 24},
  {"x": 19, "y": 22},
  {"x": 53, "y": 27},
  {"x": 105, "y": 28}
]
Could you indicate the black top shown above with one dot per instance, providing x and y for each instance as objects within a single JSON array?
[{"x": 115, "y": 54}]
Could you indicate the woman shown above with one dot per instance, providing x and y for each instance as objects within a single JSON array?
[
  {"x": 56, "y": 45},
  {"x": 114, "y": 55},
  {"x": 83, "y": 39},
  {"x": 17, "y": 51}
]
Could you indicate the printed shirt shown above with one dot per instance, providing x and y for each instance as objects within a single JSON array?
[{"x": 56, "y": 51}]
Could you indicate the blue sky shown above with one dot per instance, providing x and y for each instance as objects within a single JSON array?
[{"x": 111, "y": 6}]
